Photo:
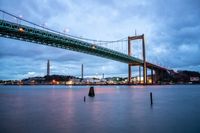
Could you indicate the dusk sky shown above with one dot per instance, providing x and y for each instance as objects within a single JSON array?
[{"x": 171, "y": 28}]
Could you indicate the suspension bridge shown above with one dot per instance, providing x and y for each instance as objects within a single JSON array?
[{"x": 25, "y": 30}]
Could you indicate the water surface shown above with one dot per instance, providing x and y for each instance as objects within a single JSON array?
[{"x": 114, "y": 109}]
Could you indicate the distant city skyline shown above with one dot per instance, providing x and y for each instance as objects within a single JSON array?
[{"x": 171, "y": 31}]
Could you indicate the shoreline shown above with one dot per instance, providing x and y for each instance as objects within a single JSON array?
[{"x": 97, "y": 84}]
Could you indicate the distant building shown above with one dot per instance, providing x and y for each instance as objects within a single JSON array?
[
  {"x": 34, "y": 80},
  {"x": 91, "y": 80},
  {"x": 194, "y": 79}
]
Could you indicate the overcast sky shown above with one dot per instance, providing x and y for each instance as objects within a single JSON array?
[{"x": 171, "y": 28}]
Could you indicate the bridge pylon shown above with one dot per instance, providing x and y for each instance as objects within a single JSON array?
[{"x": 130, "y": 38}]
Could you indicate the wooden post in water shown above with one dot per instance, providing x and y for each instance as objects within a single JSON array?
[
  {"x": 151, "y": 98},
  {"x": 84, "y": 99},
  {"x": 91, "y": 92}
]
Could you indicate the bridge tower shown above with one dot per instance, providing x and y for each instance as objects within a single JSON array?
[{"x": 130, "y": 38}]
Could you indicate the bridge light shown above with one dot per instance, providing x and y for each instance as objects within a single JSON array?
[
  {"x": 93, "y": 47},
  {"x": 20, "y": 16},
  {"x": 66, "y": 30},
  {"x": 21, "y": 30}
]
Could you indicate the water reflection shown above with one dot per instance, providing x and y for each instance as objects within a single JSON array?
[{"x": 114, "y": 109}]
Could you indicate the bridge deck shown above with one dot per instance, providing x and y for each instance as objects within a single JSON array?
[
  {"x": 44, "y": 37},
  {"x": 30, "y": 34}
]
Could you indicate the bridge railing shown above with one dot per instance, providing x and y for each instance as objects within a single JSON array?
[
  {"x": 117, "y": 45},
  {"x": 120, "y": 45}
]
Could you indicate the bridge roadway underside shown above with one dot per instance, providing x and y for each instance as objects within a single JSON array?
[
  {"x": 157, "y": 73},
  {"x": 44, "y": 37},
  {"x": 49, "y": 38}
]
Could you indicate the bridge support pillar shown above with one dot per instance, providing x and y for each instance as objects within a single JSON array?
[
  {"x": 141, "y": 37},
  {"x": 139, "y": 75},
  {"x": 129, "y": 73},
  {"x": 157, "y": 76},
  {"x": 152, "y": 79},
  {"x": 129, "y": 65},
  {"x": 144, "y": 61}
]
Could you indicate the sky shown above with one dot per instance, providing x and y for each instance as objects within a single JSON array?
[{"x": 171, "y": 30}]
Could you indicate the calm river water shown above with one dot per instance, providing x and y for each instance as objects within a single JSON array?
[{"x": 114, "y": 109}]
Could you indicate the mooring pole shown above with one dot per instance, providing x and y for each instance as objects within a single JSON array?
[
  {"x": 151, "y": 98},
  {"x": 84, "y": 99}
]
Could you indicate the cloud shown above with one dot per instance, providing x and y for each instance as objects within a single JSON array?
[{"x": 171, "y": 31}]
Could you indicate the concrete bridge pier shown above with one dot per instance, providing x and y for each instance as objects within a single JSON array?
[
  {"x": 140, "y": 75},
  {"x": 129, "y": 73},
  {"x": 152, "y": 79},
  {"x": 157, "y": 76}
]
